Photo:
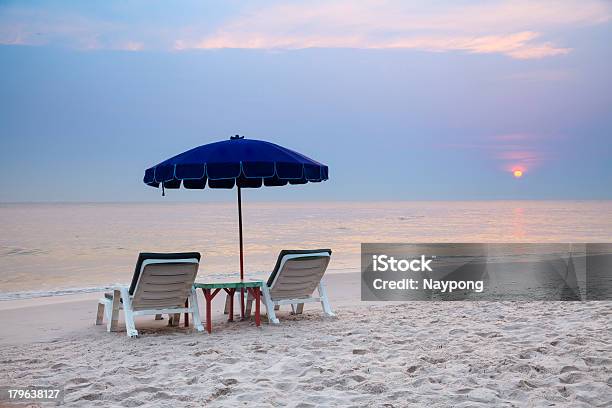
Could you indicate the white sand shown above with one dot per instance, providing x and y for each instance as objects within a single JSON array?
[{"x": 408, "y": 354}]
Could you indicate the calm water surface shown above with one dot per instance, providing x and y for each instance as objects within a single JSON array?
[{"x": 49, "y": 247}]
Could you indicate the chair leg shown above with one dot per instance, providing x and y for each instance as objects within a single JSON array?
[
  {"x": 186, "y": 316},
  {"x": 130, "y": 325},
  {"x": 228, "y": 303},
  {"x": 195, "y": 311},
  {"x": 100, "y": 314},
  {"x": 242, "y": 303},
  {"x": 269, "y": 305},
  {"x": 257, "y": 306},
  {"x": 108, "y": 310},
  {"x": 249, "y": 305},
  {"x": 325, "y": 300},
  {"x": 299, "y": 309},
  {"x": 112, "y": 325}
]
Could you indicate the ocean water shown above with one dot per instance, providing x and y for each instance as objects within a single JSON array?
[{"x": 54, "y": 249}]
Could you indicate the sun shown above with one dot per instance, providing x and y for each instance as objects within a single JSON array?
[{"x": 517, "y": 173}]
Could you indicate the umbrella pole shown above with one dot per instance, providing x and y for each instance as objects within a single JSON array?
[
  {"x": 240, "y": 234},
  {"x": 241, "y": 252}
]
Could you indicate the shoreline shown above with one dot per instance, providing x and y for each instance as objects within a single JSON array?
[{"x": 75, "y": 291}]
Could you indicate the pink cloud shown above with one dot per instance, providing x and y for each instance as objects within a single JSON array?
[
  {"x": 521, "y": 29},
  {"x": 521, "y": 159},
  {"x": 512, "y": 151},
  {"x": 517, "y": 45},
  {"x": 512, "y": 29}
]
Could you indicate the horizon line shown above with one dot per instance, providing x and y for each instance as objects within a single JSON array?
[{"x": 305, "y": 201}]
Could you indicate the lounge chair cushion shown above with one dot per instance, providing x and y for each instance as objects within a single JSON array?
[
  {"x": 143, "y": 256},
  {"x": 285, "y": 252}
]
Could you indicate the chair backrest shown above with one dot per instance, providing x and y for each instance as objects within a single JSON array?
[
  {"x": 297, "y": 273},
  {"x": 163, "y": 280}
]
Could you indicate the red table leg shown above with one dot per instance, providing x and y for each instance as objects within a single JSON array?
[
  {"x": 209, "y": 297},
  {"x": 187, "y": 314},
  {"x": 208, "y": 317},
  {"x": 255, "y": 292}
]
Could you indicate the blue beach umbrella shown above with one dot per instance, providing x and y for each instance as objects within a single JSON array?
[{"x": 238, "y": 162}]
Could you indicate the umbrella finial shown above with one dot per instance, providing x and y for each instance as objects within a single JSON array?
[{"x": 236, "y": 137}]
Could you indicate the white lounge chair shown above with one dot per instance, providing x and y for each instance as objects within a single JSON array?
[
  {"x": 161, "y": 285},
  {"x": 296, "y": 275}
]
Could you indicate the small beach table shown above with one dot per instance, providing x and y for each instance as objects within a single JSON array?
[{"x": 211, "y": 289}]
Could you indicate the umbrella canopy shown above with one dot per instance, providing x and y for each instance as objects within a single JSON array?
[{"x": 245, "y": 163}]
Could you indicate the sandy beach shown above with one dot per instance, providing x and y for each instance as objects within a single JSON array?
[{"x": 371, "y": 354}]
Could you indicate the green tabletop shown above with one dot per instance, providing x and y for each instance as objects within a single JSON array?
[{"x": 229, "y": 284}]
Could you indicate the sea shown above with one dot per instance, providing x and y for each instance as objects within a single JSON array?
[{"x": 54, "y": 249}]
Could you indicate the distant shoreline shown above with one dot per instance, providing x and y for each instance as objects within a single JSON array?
[{"x": 209, "y": 200}]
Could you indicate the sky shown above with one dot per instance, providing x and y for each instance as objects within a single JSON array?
[{"x": 403, "y": 100}]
